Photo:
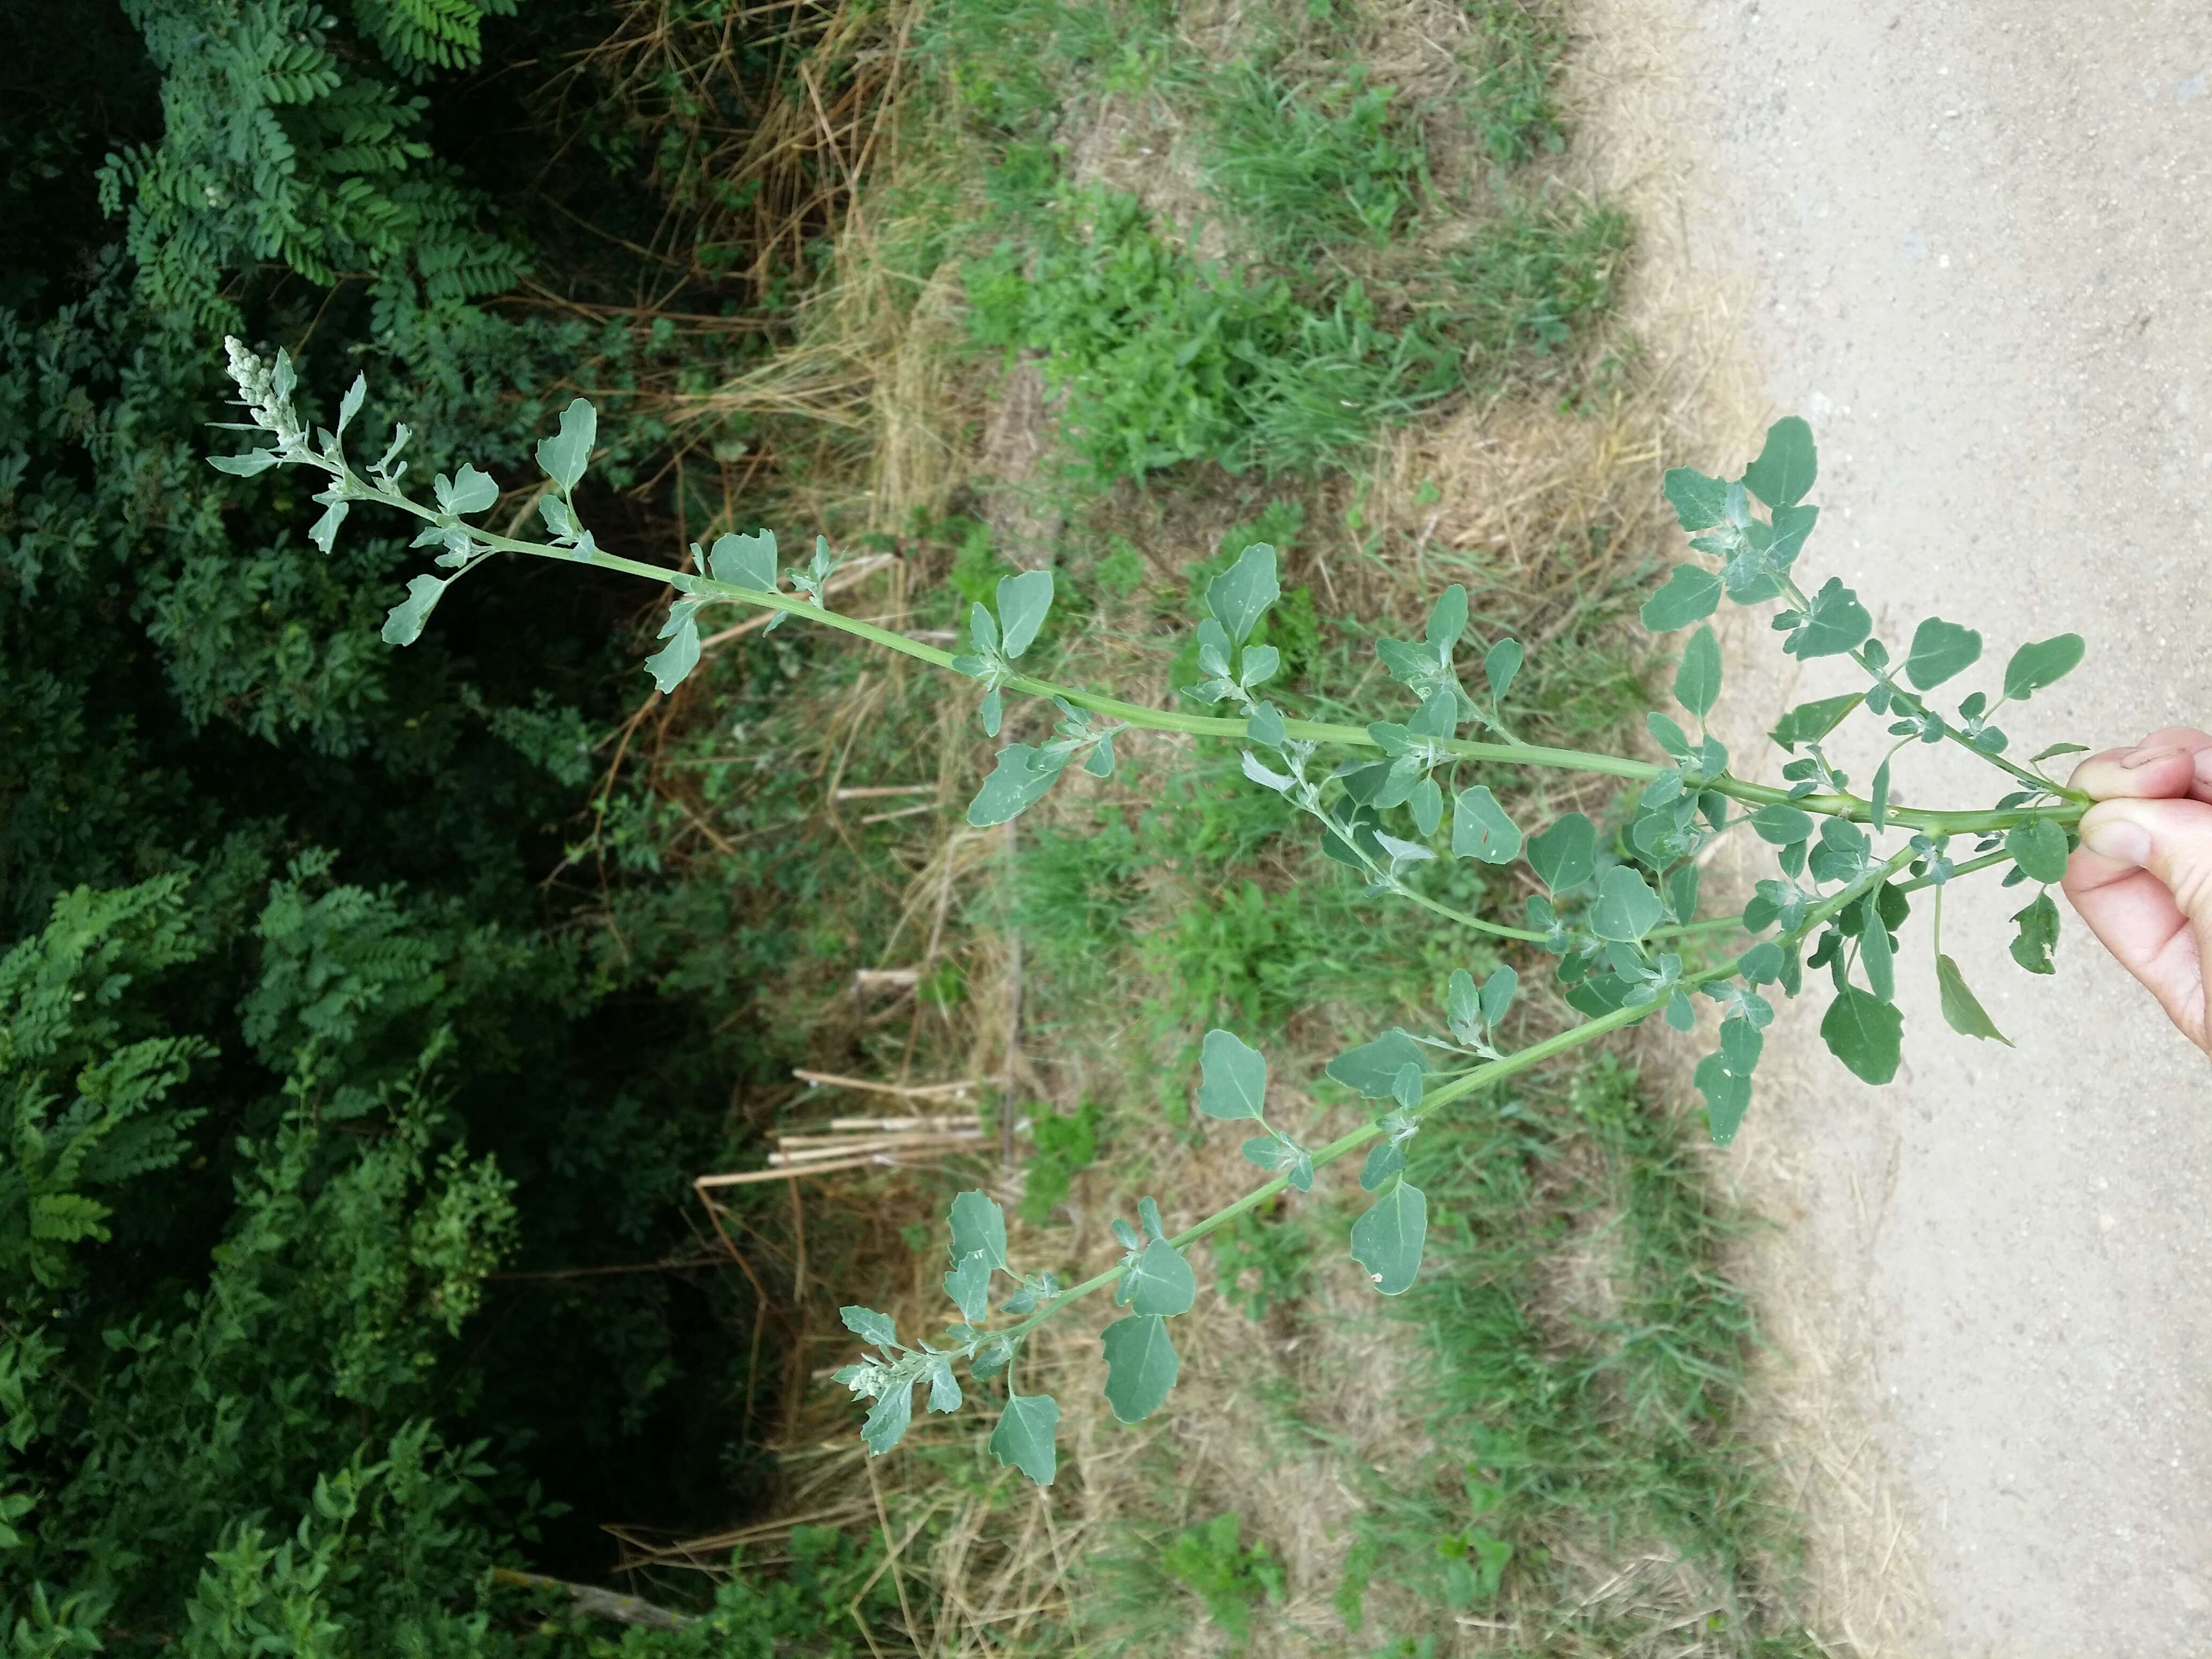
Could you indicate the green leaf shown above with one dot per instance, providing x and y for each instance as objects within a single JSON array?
[
  {"x": 887, "y": 1422},
  {"x": 2044, "y": 663},
  {"x": 1499, "y": 665},
  {"x": 1836, "y": 623},
  {"x": 565, "y": 457},
  {"x": 1563, "y": 855},
  {"x": 1018, "y": 784},
  {"x": 1939, "y": 650},
  {"x": 673, "y": 663},
  {"x": 1878, "y": 797},
  {"x": 1159, "y": 1281},
  {"x": 2056, "y": 750},
  {"x": 1962, "y": 1011},
  {"x": 2038, "y": 846},
  {"x": 1780, "y": 824},
  {"x": 1386, "y": 1240},
  {"x": 746, "y": 562},
  {"x": 1809, "y": 722},
  {"x": 1233, "y": 1077},
  {"x": 1699, "y": 502},
  {"x": 349, "y": 406},
  {"x": 1258, "y": 666},
  {"x": 1264, "y": 726},
  {"x": 1875, "y": 954},
  {"x": 979, "y": 1228},
  {"x": 470, "y": 491},
  {"x": 1865, "y": 1033},
  {"x": 1385, "y": 1159},
  {"x": 876, "y": 1329},
  {"x": 969, "y": 1284},
  {"x": 2038, "y": 936},
  {"x": 323, "y": 532},
  {"x": 1024, "y": 601},
  {"x": 1141, "y": 1365},
  {"x": 1023, "y": 1437},
  {"x": 982, "y": 629},
  {"x": 402, "y": 624},
  {"x": 1792, "y": 525},
  {"x": 1240, "y": 595},
  {"x": 1626, "y": 907},
  {"x": 1723, "y": 1078},
  {"x": 1371, "y": 1069},
  {"x": 1689, "y": 595},
  {"x": 1697, "y": 681},
  {"x": 1498, "y": 993},
  {"x": 1447, "y": 621},
  {"x": 944, "y": 1386},
  {"x": 246, "y": 465},
  {"x": 1480, "y": 829},
  {"x": 1786, "y": 467}
]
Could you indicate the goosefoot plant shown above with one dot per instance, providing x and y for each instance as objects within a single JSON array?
[{"x": 1617, "y": 914}]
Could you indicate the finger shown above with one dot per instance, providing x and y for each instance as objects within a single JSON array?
[
  {"x": 2141, "y": 879},
  {"x": 2173, "y": 763}
]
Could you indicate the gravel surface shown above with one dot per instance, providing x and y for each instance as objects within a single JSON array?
[{"x": 1981, "y": 265}]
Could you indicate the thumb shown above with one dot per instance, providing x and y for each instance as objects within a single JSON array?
[{"x": 2142, "y": 881}]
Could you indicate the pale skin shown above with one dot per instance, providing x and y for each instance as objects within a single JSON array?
[{"x": 2142, "y": 878}]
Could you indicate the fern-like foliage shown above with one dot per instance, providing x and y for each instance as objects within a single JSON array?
[
  {"x": 278, "y": 148},
  {"x": 420, "y": 37}
]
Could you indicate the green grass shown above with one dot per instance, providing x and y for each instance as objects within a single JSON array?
[
  {"x": 1585, "y": 1376},
  {"x": 1299, "y": 164}
]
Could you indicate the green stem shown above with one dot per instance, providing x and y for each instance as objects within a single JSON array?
[
  {"x": 1482, "y": 1077},
  {"x": 1914, "y": 702},
  {"x": 1213, "y": 725}
]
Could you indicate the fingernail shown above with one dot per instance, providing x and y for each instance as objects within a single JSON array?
[
  {"x": 2136, "y": 757},
  {"x": 2204, "y": 766},
  {"x": 2119, "y": 840}
]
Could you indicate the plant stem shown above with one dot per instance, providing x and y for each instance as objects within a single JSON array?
[
  {"x": 1481, "y": 1076},
  {"x": 1210, "y": 725}
]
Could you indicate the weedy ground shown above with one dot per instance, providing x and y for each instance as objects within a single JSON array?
[{"x": 1117, "y": 287}]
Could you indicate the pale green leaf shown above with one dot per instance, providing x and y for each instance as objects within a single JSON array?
[
  {"x": 1024, "y": 601},
  {"x": 2038, "y": 846},
  {"x": 1481, "y": 829},
  {"x": 1626, "y": 907},
  {"x": 1697, "y": 680},
  {"x": 1371, "y": 1069},
  {"x": 1690, "y": 595},
  {"x": 2044, "y": 663},
  {"x": 1158, "y": 1282},
  {"x": 969, "y": 1284},
  {"x": 1141, "y": 1365},
  {"x": 1699, "y": 502},
  {"x": 1240, "y": 595},
  {"x": 747, "y": 562},
  {"x": 403, "y": 625},
  {"x": 886, "y": 1424},
  {"x": 1018, "y": 784},
  {"x": 1562, "y": 856},
  {"x": 1233, "y": 1077},
  {"x": 1786, "y": 467},
  {"x": 565, "y": 456},
  {"x": 1865, "y": 1033},
  {"x": 1939, "y": 650},
  {"x": 979, "y": 1228},
  {"x": 876, "y": 1329},
  {"x": 1023, "y": 1437},
  {"x": 1962, "y": 1011},
  {"x": 1386, "y": 1240},
  {"x": 1500, "y": 666}
]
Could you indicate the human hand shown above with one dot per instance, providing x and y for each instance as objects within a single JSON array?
[{"x": 2142, "y": 878}]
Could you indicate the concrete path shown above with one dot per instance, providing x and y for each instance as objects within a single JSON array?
[{"x": 1980, "y": 240}]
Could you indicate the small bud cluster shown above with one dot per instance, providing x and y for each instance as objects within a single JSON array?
[{"x": 266, "y": 391}]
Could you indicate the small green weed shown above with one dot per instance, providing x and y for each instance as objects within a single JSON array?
[
  {"x": 1228, "y": 1576},
  {"x": 1061, "y": 1147},
  {"x": 1510, "y": 103},
  {"x": 1261, "y": 1263}
]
